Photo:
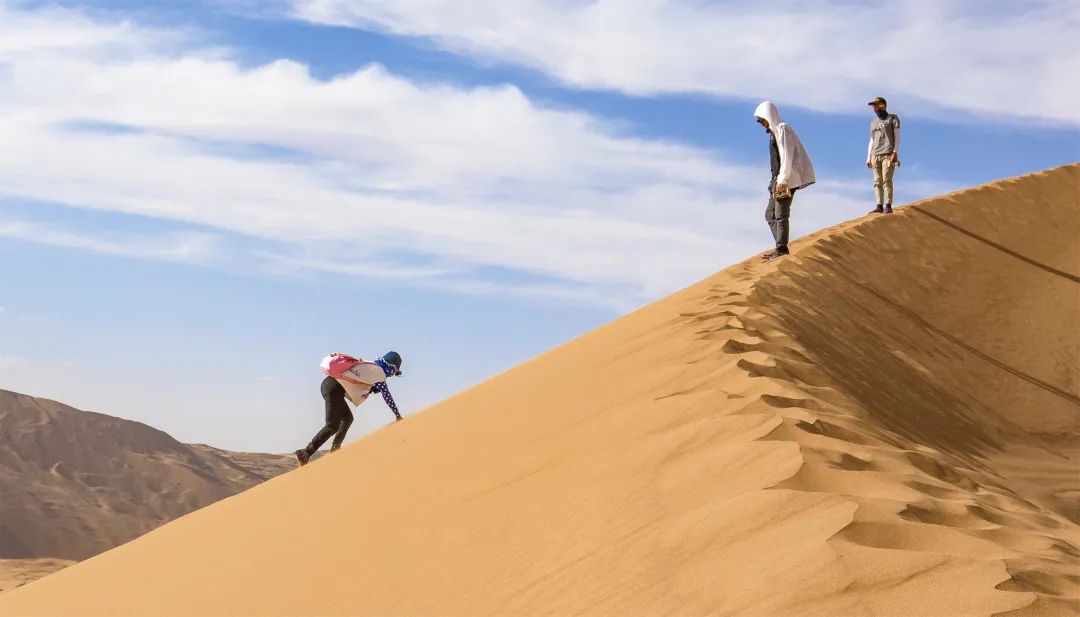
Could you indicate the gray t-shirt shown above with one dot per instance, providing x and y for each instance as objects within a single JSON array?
[{"x": 883, "y": 134}]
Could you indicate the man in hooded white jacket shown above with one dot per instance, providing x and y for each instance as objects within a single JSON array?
[{"x": 791, "y": 171}]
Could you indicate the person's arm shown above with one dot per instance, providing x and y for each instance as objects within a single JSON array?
[
  {"x": 382, "y": 389},
  {"x": 787, "y": 156},
  {"x": 896, "y": 139},
  {"x": 869, "y": 150}
]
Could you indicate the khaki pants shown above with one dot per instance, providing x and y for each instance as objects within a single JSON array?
[{"x": 883, "y": 173}]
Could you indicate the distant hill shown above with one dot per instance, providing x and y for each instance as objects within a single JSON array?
[{"x": 75, "y": 483}]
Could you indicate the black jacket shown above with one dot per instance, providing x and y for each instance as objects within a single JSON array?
[{"x": 774, "y": 159}]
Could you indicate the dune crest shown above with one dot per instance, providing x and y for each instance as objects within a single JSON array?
[{"x": 884, "y": 423}]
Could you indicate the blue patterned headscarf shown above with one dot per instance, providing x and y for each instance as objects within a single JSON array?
[{"x": 387, "y": 368}]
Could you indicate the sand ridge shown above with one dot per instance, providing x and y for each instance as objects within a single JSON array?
[{"x": 882, "y": 424}]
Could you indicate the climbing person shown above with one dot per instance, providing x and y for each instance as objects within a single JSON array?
[
  {"x": 883, "y": 153},
  {"x": 355, "y": 379},
  {"x": 791, "y": 171}
]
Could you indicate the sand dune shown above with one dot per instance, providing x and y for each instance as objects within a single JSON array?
[
  {"x": 883, "y": 424},
  {"x": 76, "y": 483}
]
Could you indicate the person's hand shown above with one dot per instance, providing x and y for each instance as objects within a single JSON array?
[
  {"x": 869, "y": 165},
  {"x": 781, "y": 188},
  {"x": 894, "y": 158}
]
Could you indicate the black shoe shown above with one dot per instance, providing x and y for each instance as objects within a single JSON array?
[
  {"x": 776, "y": 255},
  {"x": 335, "y": 447},
  {"x": 303, "y": 456},
  {"x": 878, "y": 210},
  {"x": 888, "y": 208}
]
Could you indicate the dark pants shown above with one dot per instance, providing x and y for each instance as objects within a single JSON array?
[
  {"x": 776, "y": 215},
  {"x": 338, "y": 416}
]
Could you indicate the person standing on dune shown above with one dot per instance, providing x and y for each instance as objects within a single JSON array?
[
  {"x": 791, "y": 171},
  {"x": 356, "y": 379},
  {"x": 882, "y": 154}
]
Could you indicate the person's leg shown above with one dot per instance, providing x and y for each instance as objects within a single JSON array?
[
  {"x": 334, "y": 400},
  {"x": 770, "y": 217},
  {"x": 887, "y": 169},
  {"x": 879, "y": 188},
  {"x": 346, "y": 422},
  {"x": 782, "y": 214}
]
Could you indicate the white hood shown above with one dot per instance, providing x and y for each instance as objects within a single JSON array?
[
  {"x": 796, "y": 170},
  {"x": 769, "y": 112}
]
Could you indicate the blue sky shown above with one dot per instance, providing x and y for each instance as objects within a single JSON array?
[{"x": 199, "y": 200}]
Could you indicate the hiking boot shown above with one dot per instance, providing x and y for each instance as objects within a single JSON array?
[
  {"x": 776, "y": 255},
  {"x": 888, "y": 208},
  {"x": 303, "y": 456},
  {"x": 879, "y": 210}
]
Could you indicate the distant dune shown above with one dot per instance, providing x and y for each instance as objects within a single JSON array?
[
  {"x": 883, "y": 424},
  {"x": 76, "y": 483}
]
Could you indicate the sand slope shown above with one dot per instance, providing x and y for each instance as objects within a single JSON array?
[
  {"x": 76, "y": 483},
  {"x": 884, "y": 423}
]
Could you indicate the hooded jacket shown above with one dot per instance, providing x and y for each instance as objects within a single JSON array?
[{"x": 796, "y": 170}]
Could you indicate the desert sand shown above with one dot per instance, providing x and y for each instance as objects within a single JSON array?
[
  {"x": 884, "y": 423},
  {"x": 18, "y": 572},
  {"x": 75, "y": 483}
]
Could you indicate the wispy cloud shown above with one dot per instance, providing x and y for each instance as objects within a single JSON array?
[
  {"x": 999, "y": 59},
  {"x": 182, "y": 247}
]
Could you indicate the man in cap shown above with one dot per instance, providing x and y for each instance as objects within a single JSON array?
[{"x": 882, "y": 154}]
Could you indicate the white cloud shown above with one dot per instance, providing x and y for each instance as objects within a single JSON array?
[
  {"x": 1000, "y": 59},
  {"x": 365, "y": 175},
  {"x": 182, "y": 247}
]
